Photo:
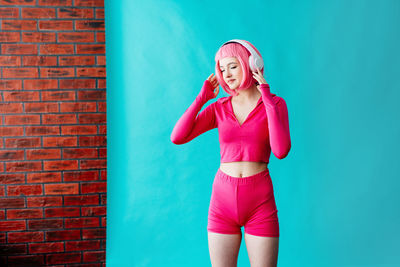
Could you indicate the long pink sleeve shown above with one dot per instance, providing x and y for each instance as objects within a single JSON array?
[
  {"x": 278, "y": 122},
  {"x": 191, "y": 125}
]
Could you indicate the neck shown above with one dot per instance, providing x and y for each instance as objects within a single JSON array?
[{"x": 248, "y": 95}]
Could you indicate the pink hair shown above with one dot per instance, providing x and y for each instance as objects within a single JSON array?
[{"x": 242, "y": 55}]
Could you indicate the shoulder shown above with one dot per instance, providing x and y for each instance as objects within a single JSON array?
[{"x": 278, "y": 99}]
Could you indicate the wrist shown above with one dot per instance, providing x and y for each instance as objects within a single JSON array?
[
  {"x": 206, "y": 92},
  {"x": 265, "y": 93}
]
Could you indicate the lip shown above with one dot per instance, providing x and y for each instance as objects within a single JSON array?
[{"x": 231, "y": 80}]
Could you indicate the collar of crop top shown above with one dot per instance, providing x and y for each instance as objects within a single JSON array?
[
  {"x": 228, "y": 98},
  {"x": 229, "y": 107}
]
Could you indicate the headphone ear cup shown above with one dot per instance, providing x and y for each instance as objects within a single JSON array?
[
  {"x": 259, "y": 63},
  {"x": 251, "y": 63}
]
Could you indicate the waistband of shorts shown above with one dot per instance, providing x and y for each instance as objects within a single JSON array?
[{"x": 242, "y": 180}]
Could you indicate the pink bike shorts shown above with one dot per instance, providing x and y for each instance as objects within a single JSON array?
[{"x": 243, "y": 201}]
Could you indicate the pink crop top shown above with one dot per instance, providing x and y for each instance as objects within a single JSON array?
[{"x": 266, "y": 127}]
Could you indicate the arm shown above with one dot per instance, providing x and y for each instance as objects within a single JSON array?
[
  {"x": 278, "y": 122},
  {"x": 191, "y": 125}
]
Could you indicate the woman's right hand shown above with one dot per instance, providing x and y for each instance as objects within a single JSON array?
[{"x": 209, "y": 86}]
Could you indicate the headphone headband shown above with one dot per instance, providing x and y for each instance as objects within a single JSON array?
[{"x": 255, "y": 60}]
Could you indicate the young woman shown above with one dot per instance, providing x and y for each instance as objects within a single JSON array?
[{"x": 251, "y": 123}]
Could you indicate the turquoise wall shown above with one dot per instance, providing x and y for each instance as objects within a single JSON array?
[{"x": 336, "y": 63}]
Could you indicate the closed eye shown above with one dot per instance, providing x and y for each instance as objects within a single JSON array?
[{"x": 231, "y": 68}]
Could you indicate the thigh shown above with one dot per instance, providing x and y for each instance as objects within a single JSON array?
[
  {"x": 262, "y": 250},
  {"x": 224, "y": 249}
]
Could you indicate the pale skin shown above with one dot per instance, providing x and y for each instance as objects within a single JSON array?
[{"x": 224, "y": 248}]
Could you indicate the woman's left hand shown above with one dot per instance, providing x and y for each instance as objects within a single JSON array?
[
  {"x": 259, "y": 77},
  {"x": 264, "y": 90}
]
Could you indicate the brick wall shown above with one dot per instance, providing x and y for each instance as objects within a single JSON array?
[{"x": 52, "y": 133}]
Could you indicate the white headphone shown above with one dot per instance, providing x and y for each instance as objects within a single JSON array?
[{"x": 255, "y": 61}]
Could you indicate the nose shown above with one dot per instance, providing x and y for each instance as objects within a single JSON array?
[{"x": 227, "y": 73}]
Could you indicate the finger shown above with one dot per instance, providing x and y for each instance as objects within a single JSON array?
[{"x": 216, "y": 91}]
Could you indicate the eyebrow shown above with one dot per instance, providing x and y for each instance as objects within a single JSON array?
[{"x": 228, "y": 64}]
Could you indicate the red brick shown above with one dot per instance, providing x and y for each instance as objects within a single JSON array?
[
  {"x": 82, "y": 222},
  {"x": 53, "y": 201},
  {"x": 95, "y": 3},
  {"x": 100, "y": 37},
  {"x": 81, "y": 176},
  {"x": 46, "y": 247},
  {"x": 79, "y": 153},
  {"x": 32, "y": 154},
  {"x": 61, "y": 95},
  {"x": 54, "y": 49},
  {"x": 23, "y": 166},
  {"x": 77, "y": 130},
  {"x": 24, "y": 213},
  {"x": 82, "y": 245},
  {"x": 13, "y": 249},
  {"x": 11, "y": 155},
  {"x": 57, "y": 72},
  {"x": 63, "y": 235},
  {"x": 59, "y": 141},
  {"x": 92, "y": 95},
  {"x": 78, "y": 83},
  {"x": 40, "y": 84},
  {"x": 75, "y": 13},
  {"x": 76, "y": 37},
  {"x": 21, "y": 119},
  {"x": 12, "y": 225},
  {"x": 90, "y": 48},
  {"x": 93, "y": 164},
  {"x": 12, "y": 202},
  {"x": 26, "y": 260},
  {"x": 93, "y": 140},
  {"x": 61, "y": 189},
  {"x": 10, "y": 60},
  {"x": 41, "y": 107},
  {"x": 93, "y": 233},
  {"x": 18, "y": 25},
  {"x": 43, "y": 177},
  {"x": 93, "y": 187},
  {"x": 59, "y": 25},
  {"x": 45, "y": 224},
  {"x": 55, "y": 2},
  {"x": 61, "y": 165},
  {"x": 21, "y": 73},
  {"x": 40, "y": 13},
  {"x": 94, "y": 25},
  {"x": 39, "y": 61},
  {"x": 92, "y": 256},
  {"x": 18, "y": 2},
  {"x": 81, "y": 200},
  {"x": 100, "y": 13},
  {"x": 61, "y": 212},
  {"x": 93, "y": 211},
  {"x": 22, "y": 142},
  {"x": 10, "y": 84},
  {"x": 12, "y": 178},
  {"x": 63, "y": 258},
  {"x": 78, "y": 107},
  {"x": 9, "y": 12},
  {"x": 24, "y": 190},
  {"x": 21, "y": 96},
  {"x": 42, "y": 130},
  {"x": 21, "y": 237}
]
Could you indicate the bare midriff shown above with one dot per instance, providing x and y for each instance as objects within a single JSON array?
[{"x": 242, "y": 169}]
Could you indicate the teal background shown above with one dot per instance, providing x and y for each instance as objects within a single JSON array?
[{"x": 336, "y": 63}]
